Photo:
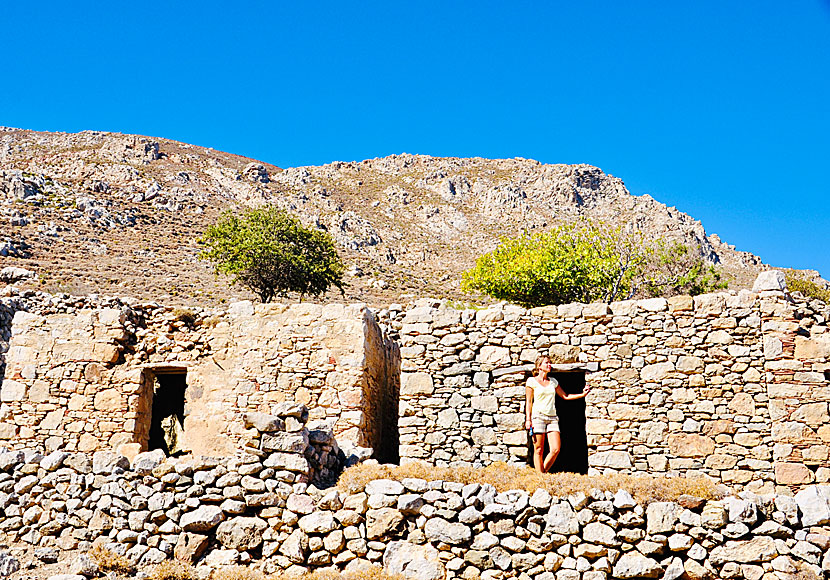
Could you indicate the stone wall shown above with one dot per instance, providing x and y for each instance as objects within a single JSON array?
[
  {"x": 79, "y": 376},
  {"x": 732, "y": 386},
  {"x": 257, "y": 508}
]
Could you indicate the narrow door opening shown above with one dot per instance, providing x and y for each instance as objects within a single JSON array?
[
  {"x": 573, "y": 454},
  {"x": 167, "y": 422}
]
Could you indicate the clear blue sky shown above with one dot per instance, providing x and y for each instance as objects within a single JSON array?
[{"x": 719, "y": 108}]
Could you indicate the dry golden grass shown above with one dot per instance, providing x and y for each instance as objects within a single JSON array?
[
  {"x": 171, "y": 570},
  {"x": 109, "y": 561},
  {"x": 239, "y": 573},
  {"x": 504, "y": 477},
  {"x": 374, "y": 573}
]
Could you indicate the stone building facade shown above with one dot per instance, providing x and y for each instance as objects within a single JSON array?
[
  {"x": 87, "y": 376},
  {"x": 732, "y": 386}
]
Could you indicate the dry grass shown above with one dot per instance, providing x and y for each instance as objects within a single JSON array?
[
  {"x": 171, "y": 570},
  {"x": 239, "y": 573},
  {"x": 504, "y": 477},
  {"x": 374, "y": 573},
  {"x": 109, "y": 561}
]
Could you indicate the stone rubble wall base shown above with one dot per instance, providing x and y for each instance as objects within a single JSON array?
[
  {"x": 258, "y": 509},
  {"x": 732, "y": 386}
]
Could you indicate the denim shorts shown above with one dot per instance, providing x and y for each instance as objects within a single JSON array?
[{"x": 544, "y": 423}]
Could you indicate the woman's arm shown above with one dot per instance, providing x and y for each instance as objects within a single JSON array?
[
  {"x": 561, "y": 392},
  {"x": 528, "y": 405}
]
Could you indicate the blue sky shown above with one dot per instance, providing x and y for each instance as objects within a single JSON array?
[{"x": 721, "y": 109}]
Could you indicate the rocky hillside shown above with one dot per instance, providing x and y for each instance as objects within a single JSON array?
[{"x": 121, "y": 214}]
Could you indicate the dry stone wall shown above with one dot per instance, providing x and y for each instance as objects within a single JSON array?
[
  {"x": 261, "y": 508},
  {"x": 79, "y": 372},
  {"x": 731, "y": 386}
]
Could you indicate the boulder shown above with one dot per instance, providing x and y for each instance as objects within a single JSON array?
[
  {"x": 771, "y": 280},
  {"x": 145, "y": 463},
  {"x": 105, "y": 462},
  {"x": 8, "y": 564},
  {"x": 12, "y": 274}
]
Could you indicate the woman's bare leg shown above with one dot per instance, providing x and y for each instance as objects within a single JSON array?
[
  {"x": 538, "y": 451},
  {"x": 555, "y": 443}
]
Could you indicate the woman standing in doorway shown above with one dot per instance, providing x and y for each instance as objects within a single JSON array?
[{"x": 540, "y": 413}]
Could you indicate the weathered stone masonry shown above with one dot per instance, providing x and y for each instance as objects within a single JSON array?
[
  {"x": 257, "y": 508},
  {"x": 733, "y": 386},
  {"x": 82, "y": 379}
]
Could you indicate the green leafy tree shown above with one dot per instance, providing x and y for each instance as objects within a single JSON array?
[
  {"x": 674, "y": 269},
  {"x": 272, "y": 254},
  {"x": 586, "y": 262}
]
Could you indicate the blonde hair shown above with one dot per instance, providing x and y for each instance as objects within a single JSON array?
[{"x": 539, "y": 360}]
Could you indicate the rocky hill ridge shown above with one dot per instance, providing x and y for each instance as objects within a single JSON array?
[{"x": 112, "y": 213}]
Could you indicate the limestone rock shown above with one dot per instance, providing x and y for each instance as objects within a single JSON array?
[
  {"x": 241, "y": 533},
  {"x": 635, "y": 565},
  {"x": 412, "y": 561},
  {"x": 146, "y": 462},
  {"x": 382, "y": 522},
  {"x": 770, "y": 280},
  {"x": 203, "y": 519},
  {"x": 105, "y": 462},
  {"x": 814, "y": 505},
  {"x": 8, "y": 564},
  {"x": 190, "y": 547},
  {"x": 759, "y": 549},
  {"x": 443, "y": 531}
]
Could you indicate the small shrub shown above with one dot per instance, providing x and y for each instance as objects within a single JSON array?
[
  {"x": 184, "y": 315},
  {"x": 796, "y": 283},
  {"x": 505, "y": 477},
  {"x": 109, "y": 561},
  {"x": 171, "y": 570}
]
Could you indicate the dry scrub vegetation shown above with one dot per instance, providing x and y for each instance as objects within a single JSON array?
[
  {"x": 506, "y": 477},
  {"x": 171, "y": 570},
  {"x": 109, "y": 561}
]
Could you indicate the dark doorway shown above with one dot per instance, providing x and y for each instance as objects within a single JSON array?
[
  {"x": 167, "y": 423},
  {"x": 573, "y": 455}
]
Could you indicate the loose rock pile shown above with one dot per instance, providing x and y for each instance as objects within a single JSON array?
[{"x": 157, "y": 507}]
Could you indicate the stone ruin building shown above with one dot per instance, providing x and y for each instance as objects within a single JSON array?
[{"x": 734, "y": 386}]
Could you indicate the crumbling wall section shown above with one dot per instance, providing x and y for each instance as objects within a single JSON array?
[{"x": 79, "y": 371}]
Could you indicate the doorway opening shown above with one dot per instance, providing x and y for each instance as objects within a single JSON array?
[
  {"x": 573, "y": 454},
  {"x": 168, "y": 411}
]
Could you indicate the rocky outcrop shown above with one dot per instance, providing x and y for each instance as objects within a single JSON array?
[{"x": 97, "y": 206}]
